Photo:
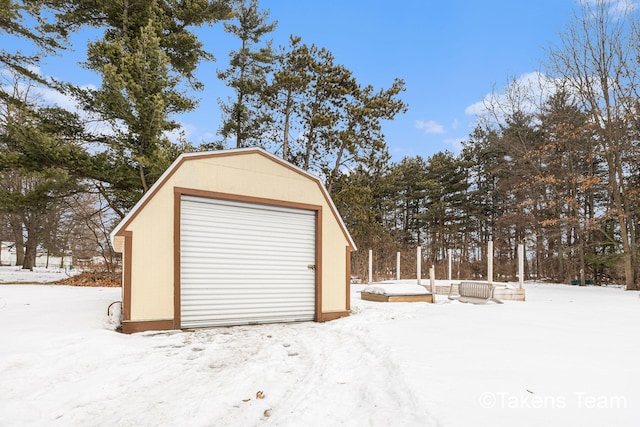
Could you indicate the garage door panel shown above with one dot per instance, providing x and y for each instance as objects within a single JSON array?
[
  {"x": 245, "y": 263},
  {"x": 233, "y": 218},
  {"x": 245, "y": 306},
  {"x": 255, "y": 281},
  {"x": 242, "y": 314},
  {"x": 246, "y": 301},
  {"x": 248, "y": 240},
  {"x": 204, "y": 265},
  {"x": 230, "y": 270},
  {"x": 204, "y": 288},
  {"x": 259, "y": 254},
  {"x": 247, "y": 248}
]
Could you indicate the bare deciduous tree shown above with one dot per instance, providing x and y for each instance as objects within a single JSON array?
[{"x": 596, "y": 60}]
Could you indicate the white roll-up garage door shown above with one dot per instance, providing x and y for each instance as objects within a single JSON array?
[{"x": 243, "y": 263}]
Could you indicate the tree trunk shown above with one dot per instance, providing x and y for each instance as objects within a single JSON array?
[
  {"x": 16, "y": 226},
  {"x": 336, "y": 168},
  {"x": 287, "y": 117},
  {"x": 143, "y": 180},
  {"x": 622, "y": 223},
  {"x": 582, "y": 261},
  {"x": 29, "y": 255},
  {"x": 628, "y": 239}
]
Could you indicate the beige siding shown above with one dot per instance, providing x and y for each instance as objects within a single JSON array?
[
  {"x": 249, "y": 174},
  {"x": 152, "y": 259},
  {"x": 334, "y": 266}
]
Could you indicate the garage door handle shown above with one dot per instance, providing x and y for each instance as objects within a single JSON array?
[{"x": 311, "y": 266}]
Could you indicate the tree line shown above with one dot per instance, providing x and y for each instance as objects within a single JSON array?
[
  {"x": 553, "y": 166},
  {"x": 92, "y": 166},
  {"x": 552, "y": 163}
]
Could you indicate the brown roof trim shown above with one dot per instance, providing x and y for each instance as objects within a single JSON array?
[{"x": 126, "y": 221}]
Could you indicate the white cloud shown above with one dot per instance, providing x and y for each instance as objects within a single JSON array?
[
  {"x": 53, "y": 97},
  {"x": 207, "y": 136},
  {"x": 38, "y": 93},
  {"x": 430, "y": 126},
  {"x": 617, "y": 8},
  {"x": 477, "y": 109},
  {"x": 45, "y": 96},
  {"x": 176, "y": 136},
  {"x": 455, "y": 143},
  {"x": 525, "y": 93}
]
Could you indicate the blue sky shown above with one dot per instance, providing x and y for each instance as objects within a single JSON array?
[{"x": 450, "y": 53}]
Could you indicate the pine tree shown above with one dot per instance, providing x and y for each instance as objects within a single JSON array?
[
  {"x": 25, "y": 20},
  {"x": 446, "y": 198},
  {"x": 361, "y": 132},
  {"x": 284, "y": 95},
  {"x": 338, "y": 121},
  {"x": 146, "y": 55},
  {"x": 247, "y": 75},
  {"x": 41, "y": 159},
  {"x": 407, "y": 199},
  {"x": 360, "y": 197}
]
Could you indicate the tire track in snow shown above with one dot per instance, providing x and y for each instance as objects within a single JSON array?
[
  {"x": 311, "y": 374},
  {"x": 349, "y": 380}
]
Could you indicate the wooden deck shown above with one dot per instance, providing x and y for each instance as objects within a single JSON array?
[{"x": 398, "y": 298}]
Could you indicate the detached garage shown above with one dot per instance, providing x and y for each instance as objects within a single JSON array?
[{"x": 229, "y": 238}]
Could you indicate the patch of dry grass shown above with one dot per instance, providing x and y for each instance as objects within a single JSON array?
[{"x": 92, "y": 278}]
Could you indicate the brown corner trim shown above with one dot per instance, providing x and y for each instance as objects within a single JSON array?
[
  {"x": 348, "y": 278},
  {"x": 126, "y": 275},
  {"x": 325, "y": 317},
  {"x": 319, "y": 264},
  {"x": 177, "y": 313},
  {"x": 133, "y": 326}
]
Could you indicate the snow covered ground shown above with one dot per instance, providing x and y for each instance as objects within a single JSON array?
[
  {"x": 38, "y": 275},
  {"x": 567, "y": 356}
]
